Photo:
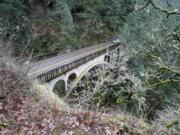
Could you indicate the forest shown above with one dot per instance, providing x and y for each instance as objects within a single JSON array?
[{"x": 139, "y": 94}]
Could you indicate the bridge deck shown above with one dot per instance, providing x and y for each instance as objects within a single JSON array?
[{"x": 49, "y": 64}]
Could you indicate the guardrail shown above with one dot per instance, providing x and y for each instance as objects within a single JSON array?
[{"x": 56, "y": 53}]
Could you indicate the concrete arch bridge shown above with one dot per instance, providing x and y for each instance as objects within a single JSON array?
[{"x": 71, "y": 67}]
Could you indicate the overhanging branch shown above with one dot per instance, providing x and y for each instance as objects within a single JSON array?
[
  {"x": 150, "y": 2},
  {"x": 146, "y": 5},
  {"x": 163, "y": 82}
]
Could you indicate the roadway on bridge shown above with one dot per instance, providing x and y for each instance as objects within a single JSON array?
[{"x": 52, "y": 63}]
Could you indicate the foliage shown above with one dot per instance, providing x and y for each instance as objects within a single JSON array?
[
  {"x": 101, "y": 19},
  {"x": 143, "y": 80},
  {"x": 154, "y": 39},
  {"x": 16, "y": 23},
  {"x": 61, "y": 13},
  {"x": 151, "y": 82},
  {"x": 71, "y": 23}
]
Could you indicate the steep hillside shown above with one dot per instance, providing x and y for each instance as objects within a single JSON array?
[
  {"x": 42, "y": 26},
  {"x": 25, "y": 110}
]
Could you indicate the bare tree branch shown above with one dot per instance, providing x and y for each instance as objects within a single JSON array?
[
  {"x": 150, "y": 2},
  {"x": 163, "y": 82},
  {"x": 146, "y": 5},
  {"x": 169, "y": 4}
]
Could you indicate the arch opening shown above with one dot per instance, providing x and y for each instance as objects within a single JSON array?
[
  {"x": 87, "y": 85},
  {"x": 87, "y": 70},
  {"x": 118, "y": 49},
  {"x": 71, "y": 78},
  {"x": 60, "y": 88},
  {"x": 107, "y": 58}
]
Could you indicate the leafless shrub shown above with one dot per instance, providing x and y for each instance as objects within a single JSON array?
[
  {"x": 103, "y": 78},
  {"x": 168, "y": 121}
]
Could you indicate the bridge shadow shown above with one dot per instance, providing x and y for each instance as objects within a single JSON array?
[
  {"x": 72, "y": 77},
  {"x": 60, "y": 88},
  {"x": 81, "y": 75}
]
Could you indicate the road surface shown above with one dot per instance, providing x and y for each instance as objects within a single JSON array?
[{"x": 49, "y": 64}]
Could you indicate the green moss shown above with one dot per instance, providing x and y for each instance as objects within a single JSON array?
[{"x": 172, "y": 123}]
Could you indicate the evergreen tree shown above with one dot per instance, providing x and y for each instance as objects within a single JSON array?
[{"x": 154, "y": 39}]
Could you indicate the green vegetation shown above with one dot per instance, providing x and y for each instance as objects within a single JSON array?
[
  {"x": 42, "y": 26},
  {"x": 143, "y": 79},
  {"x": 154, "y": 39}
]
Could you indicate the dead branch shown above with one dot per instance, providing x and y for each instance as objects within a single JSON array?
[{"x": 168, "y": 13}]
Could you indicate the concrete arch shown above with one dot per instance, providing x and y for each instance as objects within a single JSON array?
[
  {"x": 85, "y": 72},
  {"x": 52, "y": 83},
  {"x": 60, "y": 88},
  {"x": 80, "y": 71},
  {"x": 71, "y": 78}
]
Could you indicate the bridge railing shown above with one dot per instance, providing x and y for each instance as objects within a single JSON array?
[
  {"x": 65, "y": 68},
  {"x": 58, "y": 71},
  {"x": 53, "y": 73},
  {"x": 57, "y": 52}
]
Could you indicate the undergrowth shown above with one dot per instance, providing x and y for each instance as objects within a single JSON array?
[{"x": 26, "y": 111}]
